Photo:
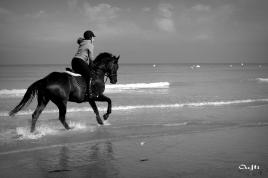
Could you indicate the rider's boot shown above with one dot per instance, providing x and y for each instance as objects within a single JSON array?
[{"x": 91, "y": 94}]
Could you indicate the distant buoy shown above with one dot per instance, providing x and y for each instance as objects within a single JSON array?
[
  {"x": 197, "y": 66},
  {"x": 231, "y": 65},
  {"x": 154, "y": 65}
]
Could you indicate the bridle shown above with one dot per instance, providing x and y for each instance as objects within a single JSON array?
[{"x": 108, "y": 75}]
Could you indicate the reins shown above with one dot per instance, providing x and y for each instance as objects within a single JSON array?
[{"x": 106, "y": 78}]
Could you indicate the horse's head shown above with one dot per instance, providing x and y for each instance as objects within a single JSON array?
[
  {"x": 111, "y": 69},
  {"x": 109, "y": 64}
]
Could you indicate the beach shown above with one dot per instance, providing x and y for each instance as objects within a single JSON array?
[
  {"x": 145, "y": 146},
  {"x": 141, "y": 152},
  {"x": 173, "y": 121},
  {"x": 186, "y": 82}
]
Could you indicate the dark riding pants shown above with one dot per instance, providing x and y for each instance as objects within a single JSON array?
[{"x": 81, "y": 67}]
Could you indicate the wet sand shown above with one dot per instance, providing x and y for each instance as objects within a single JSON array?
[
  {"x": 205, "y": 142},
  {"x": 214, "y": 153}
]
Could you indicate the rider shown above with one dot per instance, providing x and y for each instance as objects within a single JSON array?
[{"x": 84, "y": 54}]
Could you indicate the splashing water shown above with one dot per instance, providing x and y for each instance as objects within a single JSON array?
[
  {"x": 24, "y": 132},
  {"x": 106, "y": 123},
  {"x": 77, "y": 125}
]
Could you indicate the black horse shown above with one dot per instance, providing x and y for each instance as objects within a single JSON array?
[{"x": 63, "y": 87}]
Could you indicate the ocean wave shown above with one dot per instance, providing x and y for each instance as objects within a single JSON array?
[
  {"x": 264, "y": 80},
  {"x": 256, "y": 124},
  {"x": 156, "y": 106},
  {"x": 138, "y": 86},
  {"x": 14, "y": 93}
]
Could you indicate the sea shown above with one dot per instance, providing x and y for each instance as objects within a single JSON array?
[{"x": 149, "y": 101}]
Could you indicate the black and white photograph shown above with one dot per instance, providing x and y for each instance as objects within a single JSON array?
[{"x": 133, "y": 89}]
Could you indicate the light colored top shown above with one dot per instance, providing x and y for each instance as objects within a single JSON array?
[{"x": 85, "y": 50}]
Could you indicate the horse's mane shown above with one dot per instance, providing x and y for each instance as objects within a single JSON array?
[{"x": 102, "y": 57}]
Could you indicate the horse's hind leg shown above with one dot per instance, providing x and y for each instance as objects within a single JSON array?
[
  {"x": 62, "y": 112},
  {"x": 42, "y": 102}
]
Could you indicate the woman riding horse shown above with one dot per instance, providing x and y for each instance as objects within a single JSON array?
[
  {"x": 63, "y": 87},
  {"x": 84, "y": 54}
]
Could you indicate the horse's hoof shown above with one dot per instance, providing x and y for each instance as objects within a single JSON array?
[
  {"x": 100, "y": 122},
  {"x": 68, "y": 128},
  {"x": 105, "y": 116}
]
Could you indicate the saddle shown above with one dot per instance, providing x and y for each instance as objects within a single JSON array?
[
  {"x": 79, "y": 81},
  {"x": 71, "y": 72}
]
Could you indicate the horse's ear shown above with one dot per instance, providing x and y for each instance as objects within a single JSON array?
[{"x": 118, "y": 57}]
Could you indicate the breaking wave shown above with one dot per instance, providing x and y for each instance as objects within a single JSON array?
[
  {"x": 160, "y": 106},
  {"x": 14, "y": 93},
  {"x": 264, "y": 80},
  {"x": 5, "y": 93}
]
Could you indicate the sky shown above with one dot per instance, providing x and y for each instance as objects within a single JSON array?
[{"x": 140, "y": 31}]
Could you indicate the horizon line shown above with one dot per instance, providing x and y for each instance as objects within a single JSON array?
[{"x": 146, "y": 63}]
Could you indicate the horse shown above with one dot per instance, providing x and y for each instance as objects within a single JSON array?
[{"x": 61, "y": 87}]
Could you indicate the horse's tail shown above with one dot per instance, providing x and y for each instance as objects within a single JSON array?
[{"x": 27, "y": 98}]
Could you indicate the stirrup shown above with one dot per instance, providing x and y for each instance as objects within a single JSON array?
[{"x": 91, "y": 95}]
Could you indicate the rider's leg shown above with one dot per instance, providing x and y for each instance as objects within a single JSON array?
[{"x": 84, "y": 69}]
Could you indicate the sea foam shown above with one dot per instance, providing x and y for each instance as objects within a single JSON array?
[
  {"x": 14, "y": 93},
  {"x": 155, "y": 106},
  {"x": 264, "y": 80}
]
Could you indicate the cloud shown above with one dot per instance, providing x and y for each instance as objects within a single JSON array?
[
  {"x": 165, "y": 10},
  {"x": 108, "y": 21},
  {"x": 72, "y": 4},
  {"x": 201, "y": 22},
  {"x": 165, "y": 20},
  {"x": 146, "y": 9},
  {"x": 37, "y": 15},
  {"x": 200, "y": 14},
  {"x": 202, "y": 36},
  {"x": 201, "y": 8},
  {"x": 100, "y": 13},
  {"x": 4, "y": 11},
  {"x": 165, "y": 24}
]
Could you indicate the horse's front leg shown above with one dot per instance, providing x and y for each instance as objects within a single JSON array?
[
  {"x": 104, "y": 98},
  {"x": 96, "y": 111}
]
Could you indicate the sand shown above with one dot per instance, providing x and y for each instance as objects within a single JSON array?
[
  {"x": 214, "y": 153},
  {"x": 204, "y": 142}
]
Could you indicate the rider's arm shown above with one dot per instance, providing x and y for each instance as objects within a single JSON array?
[
  {"x": 90, "y": 51},
  {"x": 90, "y": 55}
]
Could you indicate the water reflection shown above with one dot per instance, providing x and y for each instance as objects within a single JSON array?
[
  {"x": 64, "y": 157},
  {"x": 87, "y": 161}
]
